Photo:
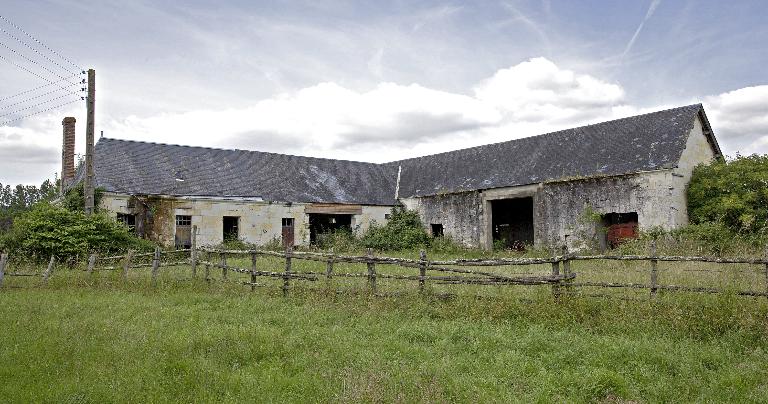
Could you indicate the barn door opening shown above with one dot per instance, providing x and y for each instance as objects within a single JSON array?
[
  {"x": 183, "y": 237},
  {"x": 288, "y": 232},
  {"x": 619, "y": 227},
  {"x": 512, "y": 222},
  {"x": 322, "y": 224}
]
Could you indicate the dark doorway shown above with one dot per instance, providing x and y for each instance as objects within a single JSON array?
[
  {"x": 513, "y": 222},
  {"x": 231, "y": 228},
  {"x": 619, "y": 227},
  {"x": 288, "y": 232},
  {"x": 437, "y": 229},
  {"x": 128, "y": 220},
  {"x": 183, "y": 237},
  {"x": 320, "y": 223}
]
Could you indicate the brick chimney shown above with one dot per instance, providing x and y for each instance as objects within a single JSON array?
[{"x": 68, "y": 152}]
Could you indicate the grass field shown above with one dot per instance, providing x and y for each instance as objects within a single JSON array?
[{"x": 99, "y": 338}]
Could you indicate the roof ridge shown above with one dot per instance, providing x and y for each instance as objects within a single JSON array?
[
  {"x": 390, "y": 163},
  {"x": 699, "y": 105},
  {"x": 235, "y": 150}
]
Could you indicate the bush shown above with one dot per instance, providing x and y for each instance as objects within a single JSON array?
[
  {"x": 47, "y": 230},
  {"x": 404, "y": 230},
  {"x": 339, "y": 240},
  {"x": 733, "y": 192}
]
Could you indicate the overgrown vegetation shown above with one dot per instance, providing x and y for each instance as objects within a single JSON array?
[
  {"x": 733, "y": 193},
  {"x": 47, "y": 230},
  {"x": 14, "y": 201},
  {"x": 404, "y": 230},
  {"x": 74, "y": 199}
]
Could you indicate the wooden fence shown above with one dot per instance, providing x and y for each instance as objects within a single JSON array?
[{"x": 560, "y": 278}]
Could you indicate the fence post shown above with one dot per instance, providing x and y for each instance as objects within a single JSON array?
[
  {"x": 253, "y": 271},
  {"x": 654, "y": 269},
  {"x": 224, "y": 266},
  {"x": 371, "y": 271},
  {"x": 329, "y": 267},
  {"x": 422, "y": 270},
  {"x": 555, "y": 273},
  {"x": 765, "y": 257},
  {"x": 155, "y": 265},
  {"x": 287, "y": 276},
  {"x": 3, "y": 263},
  {"x": 91, "y": 263},
  {"x": 49, "y": 270},
  {"x": 207, "y": 266},
  {"x": 193, "y": 253},
  {"x": 566, "y": 267},
  {"x": 127, "y": 263}
]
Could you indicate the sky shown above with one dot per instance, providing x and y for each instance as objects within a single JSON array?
[{"x": 371, "y": 81}]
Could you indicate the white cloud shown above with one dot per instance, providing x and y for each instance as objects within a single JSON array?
[
  {"x": 740, "y": 119},
  {"x": 392, "y": 121}
]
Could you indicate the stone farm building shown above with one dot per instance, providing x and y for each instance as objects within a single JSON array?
[{"x": 538, "y": 190}]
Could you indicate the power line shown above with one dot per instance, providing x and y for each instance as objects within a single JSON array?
[
  {"x": 35, "y": 89},
  {"x": 36, "y": 105},
  {"x": 29, "y": 99},
  {"x": 38, "y": 112},
  {"x": 35, "y": 50},
  {"x": 32, "y": 61},
  {"x": 40, "y": 43},
  {"x": 35, "y": 74}
]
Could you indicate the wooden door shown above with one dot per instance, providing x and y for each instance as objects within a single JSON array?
[
  {"x": 287, "y": 232},
  {"x": 183, "y": 231}
]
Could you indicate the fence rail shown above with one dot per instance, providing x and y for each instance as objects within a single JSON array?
[{"x": 560, "y": 276}]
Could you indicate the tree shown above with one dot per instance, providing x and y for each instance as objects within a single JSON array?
[{"x": 733, "y": 192}]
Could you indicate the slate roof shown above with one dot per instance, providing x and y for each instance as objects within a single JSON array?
[
  {"x": 639, "y": 143},
  {"x": 629, "y": 145},
  {"x": 153, "y": 169}
]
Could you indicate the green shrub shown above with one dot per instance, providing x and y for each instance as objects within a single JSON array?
[
  {"x": 339, "y": 240},
  {"x": 74, "y": 199},
  {"x": 733, "y": 192},
  {"x": 403, "y": 231},
  {"x": 47, "y": 230}
]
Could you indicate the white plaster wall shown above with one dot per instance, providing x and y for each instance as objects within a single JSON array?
[
  {"x": 697, "y": 151},
  {"x": 260, "y": 222},
  {"x": 114, "y": 204},
  {"x": 361, "y": 222}
]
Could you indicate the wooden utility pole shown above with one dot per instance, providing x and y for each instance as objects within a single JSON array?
[{"x": 88, "y": 186}]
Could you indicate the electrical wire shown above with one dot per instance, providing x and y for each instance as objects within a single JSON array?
[
  {"x": 38, "y": 112},
  {"x": 35, "y": 74},
  {"x": 35, "y": 89},
  {"x": 40, "y": 43},
  {"x": 36, "y": 105},
  {"x": 41, "y": 66},
  {"x": 28, "y": 99}
]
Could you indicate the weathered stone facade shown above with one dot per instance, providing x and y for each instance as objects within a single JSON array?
[
  {"x": 566, "y": 186},
  {"x": 564, "y": 209},
  {"x": 259, "y": 223}
]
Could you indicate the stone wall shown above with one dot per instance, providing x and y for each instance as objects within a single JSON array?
[
  {"x": 260, "y": 222},
  {"x": 460, "y": 214}
]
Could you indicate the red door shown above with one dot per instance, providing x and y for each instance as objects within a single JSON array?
[{"x": 620, "y": 232}]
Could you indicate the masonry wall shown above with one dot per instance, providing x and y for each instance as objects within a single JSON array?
[
  {"x": 259, "y": 223},
  {"x": 460, "y": 214}
]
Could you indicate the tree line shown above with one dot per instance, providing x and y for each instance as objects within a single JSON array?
[{"x": 20, "y": 198}]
